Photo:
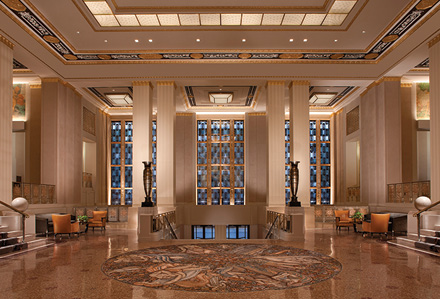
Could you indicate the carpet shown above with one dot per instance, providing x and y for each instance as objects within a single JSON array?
[{"x": 221, "y": 267}]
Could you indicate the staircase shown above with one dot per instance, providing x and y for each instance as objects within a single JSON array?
[
  {"x": 11, "y": 243},
  {"x": 429, "y": 241}
]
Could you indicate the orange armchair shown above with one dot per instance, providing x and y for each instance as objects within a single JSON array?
[
  {"x": 98, "y": 220},
  {"x": 378, "y": 224},
  {"x": 342, "y": 219},
  {"x": 62, "y": 225}
]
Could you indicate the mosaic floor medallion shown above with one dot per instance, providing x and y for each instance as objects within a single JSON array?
[{"x": 221, "y": 267}]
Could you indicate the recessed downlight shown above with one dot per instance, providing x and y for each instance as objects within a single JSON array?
[
  {"x": 336, "y": 40},
  {"x": 291, "y": 40},
  {"x": 105, "y": 41},
  {"x": 305, "y": 40},
  {"x": 243, "y": 40},
  {"x": 198, "y": 40},
  {"x": 150, "y": 40},
  {"x": 136, "y": 40}
]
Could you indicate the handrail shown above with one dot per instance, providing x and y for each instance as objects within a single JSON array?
[
  {"x": 272, "y": 226},
  {"x": 14, "y": 209},
  {"x": 426, "y": 209},
  {"x": 171, "y": 228}
]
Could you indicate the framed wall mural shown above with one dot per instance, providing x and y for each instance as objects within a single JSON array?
[
  {"x": 422, "y": 97},
  {"x": 19, "y": 102}
]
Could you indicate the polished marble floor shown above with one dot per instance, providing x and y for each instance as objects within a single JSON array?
[{"x": 72, "y": 269}]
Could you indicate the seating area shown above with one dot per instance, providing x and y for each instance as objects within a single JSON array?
[
  {"x": 342, "y": 219},
  {"x": 62, "y": 225},
  {"x": 378, "y": 224},
  {"x": 99, "y": 219}
]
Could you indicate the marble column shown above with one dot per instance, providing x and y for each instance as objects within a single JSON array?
[
  {"x": 6, "y": 119},
  {"x": 275, "y": 107},
  {"x": 299, "y": 133},
  {"x": 166, "y": 169},
  {"x": 142, "y": 123},
  {"x": 434, "y": 102}
]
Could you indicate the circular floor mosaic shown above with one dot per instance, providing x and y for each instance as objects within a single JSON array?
[{"x": 221, "y": 267}]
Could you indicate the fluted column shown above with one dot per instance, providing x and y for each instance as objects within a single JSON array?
[
  {"x": 6, "y": 119},
  {"x": 142, "y": 120},
  {"x": 299, "y": 136},
  {"x": 166, "y": 119},
  {"x": 275, "y": 140},
  {"x": 434, "y": 102}
]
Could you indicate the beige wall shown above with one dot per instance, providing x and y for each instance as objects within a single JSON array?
[{"x": 409, "y": 133}]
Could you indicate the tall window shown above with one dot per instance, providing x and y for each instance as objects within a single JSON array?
[
  {"x": 237, "y": 232},
  {"x": 220, "y": 162},
  {"x": 154, "y": 159},
  {"x": 203, "y": 232},
  {"x": 319, "y": 161},
  {"x": 121, "y": 162}
]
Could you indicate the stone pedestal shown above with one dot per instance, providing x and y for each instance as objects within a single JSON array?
[
  {"x": 297, "y": 224},
  {"x": 144, "y": 231}
]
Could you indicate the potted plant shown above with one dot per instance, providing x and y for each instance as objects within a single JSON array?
[
  {"x": 357, "y": 217},
  {"x": 83, "y": 219}
]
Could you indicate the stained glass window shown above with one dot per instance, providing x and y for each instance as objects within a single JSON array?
[
  {"x": 287, "y": 158},
  {"x": 121, "y": 159},
  {"x": 154, "y": 159},
  {"x": 220, "y": 162}
]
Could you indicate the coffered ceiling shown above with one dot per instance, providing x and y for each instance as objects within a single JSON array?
[{"x": 334, "y": 44}]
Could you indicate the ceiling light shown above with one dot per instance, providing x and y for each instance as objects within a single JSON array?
[
  {"x": 363, "y": 31},
  {"x": 305, "y": 40},
  {"x": 221, "y": 97},
  {"x": 150, "y": 40},
  {"x": 243, "y": 40},
  {"x": 319, "y": 98},
  {"x": 77, "y": 32},
  {"x": 198, "y": 40},
  {"x": 336, "y": 40},
  {"x": 321, "y": 112},
  {"x": 291, "y": 40},
  {"x": 105, "y": 41},
  {"x": 120, "y": 99},
  {"x": 136, "y": 40}
]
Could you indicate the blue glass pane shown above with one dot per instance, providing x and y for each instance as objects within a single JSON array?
[
  {"x": 209, "y": 232},
  {"x": 226, "y": 176},
  {"x": 242, "y": 232},
  {"x": 215, "y": 196},
  {"x": 215, "y": 130},
  {"x": 313, "y": 130},
  {"x": 239, "y": 130},
  {"x": 116, "y": 131},
  {"x": 128, "y": 196},
  {"x": 215, "y": 176},
  {"x": 202, "y": 153},
  {"x": 116, "y": 154},
  {"x": 215, "y": 153},
  {"x": 154, "y": 153},
  {"x": 202, "y": 197},
  {"x": 154, "y": 195},
  {"x": 202, "y": 130},
  {"x": 128, "y": 153},
  {"x": 239, "y": 153},
  {"x": 287, "y": 131},
  {"x": 128, "y": 177},
  {"x": 239, "y": 176},
  {"x": 287, "y": 152},
  {"x": 226, "y": 152},
  {"x": 128, "y": 131},
  {"x": 202, "y": 176},
  {"x": 287, "y": 176},
  {"x": 226, "y": 130},
  {"x": 226, "y": 196},
  {"x": 154, "y": 131},
  {"x": 287, "y": 195},
  {"x": 313, "y": 196},
  {"x": 116, "y": 177},
  {"x": 325, "y": 153},
  {"x": 232, "y": 231},
  {"x": 154, "y": 171},
  {"x": 325, "y": 196},
  {"x": 198, "y": 232},
  {"x": 115, "y": 197},
  {"x": 312, "y": 153},
  {"x": 325, "y": 176},
  {"x": 312, "y": 176},
  {"x": 325, "y": 130},
  {"x": 239, "y": 197}
]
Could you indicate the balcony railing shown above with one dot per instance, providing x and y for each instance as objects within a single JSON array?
[
  {"x": 408, "y": 192},
  {"x": 354, "y": 194},
  {"x": 165, "y": 222},
  {"x": 34, "y": 193},
  {"x": 278, "y": 221}
]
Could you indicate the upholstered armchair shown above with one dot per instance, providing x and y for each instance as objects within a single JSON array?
[
  {"x": 378, "y": 224},
  {"x": 99, "y": 219},
  {"x": 342, "y": 219},
  {"x": 63, "y": 225}
]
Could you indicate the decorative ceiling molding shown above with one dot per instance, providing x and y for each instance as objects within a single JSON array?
[{"x": 192, "y": 102}]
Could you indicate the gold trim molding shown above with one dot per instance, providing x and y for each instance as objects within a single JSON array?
[
  {"x": 434, "y": 41},
  {"x": 185, "y": 114},
  {"x": 299, "y": 83},
  {"x": 257, "y": 113},
  {"x": 405, "y": 85},
  {"x": 392, "y": 78},
  {"x": 6, "y": 42},
  {"x": 166, "y": 83},
  {"x": 141, "y": 83},
  {"x": 35, "y": 86}
]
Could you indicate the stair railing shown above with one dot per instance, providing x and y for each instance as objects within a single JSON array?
[
  {"x": 418, "y": 215},
  {"x": 272, "y": 226},
  {"x": 173, "y": 233},
  {"x": 23, "y": 216}
]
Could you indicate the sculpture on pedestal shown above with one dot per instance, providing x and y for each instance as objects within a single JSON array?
[
  {"x": 148, "y": 184},
  {"x": 294, "y": 181}
]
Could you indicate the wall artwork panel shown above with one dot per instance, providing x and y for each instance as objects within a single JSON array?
[
  {"x": 352, "y": 121},
  {"x": 19, "y": 102},
  {"x": 422, "y": 96},
  {"x": 88, "y": 121}
]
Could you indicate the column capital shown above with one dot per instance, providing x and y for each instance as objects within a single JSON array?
[
  {"x": 274, "y": 83},
  {"x": 142, "y": 83},
  {"x": 388, "y": 79},
  {"x": 6, "y": 42},
  {"x": 405, "y": 84},
  {"x": 166, "y": 83},
  {"x": 299, "y": 82},
  {"x": 35, "y": 86},
  {"x": 433, "y": 41}
]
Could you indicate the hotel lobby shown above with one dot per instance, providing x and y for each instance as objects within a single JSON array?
[{"x": 213, "y": 150}]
